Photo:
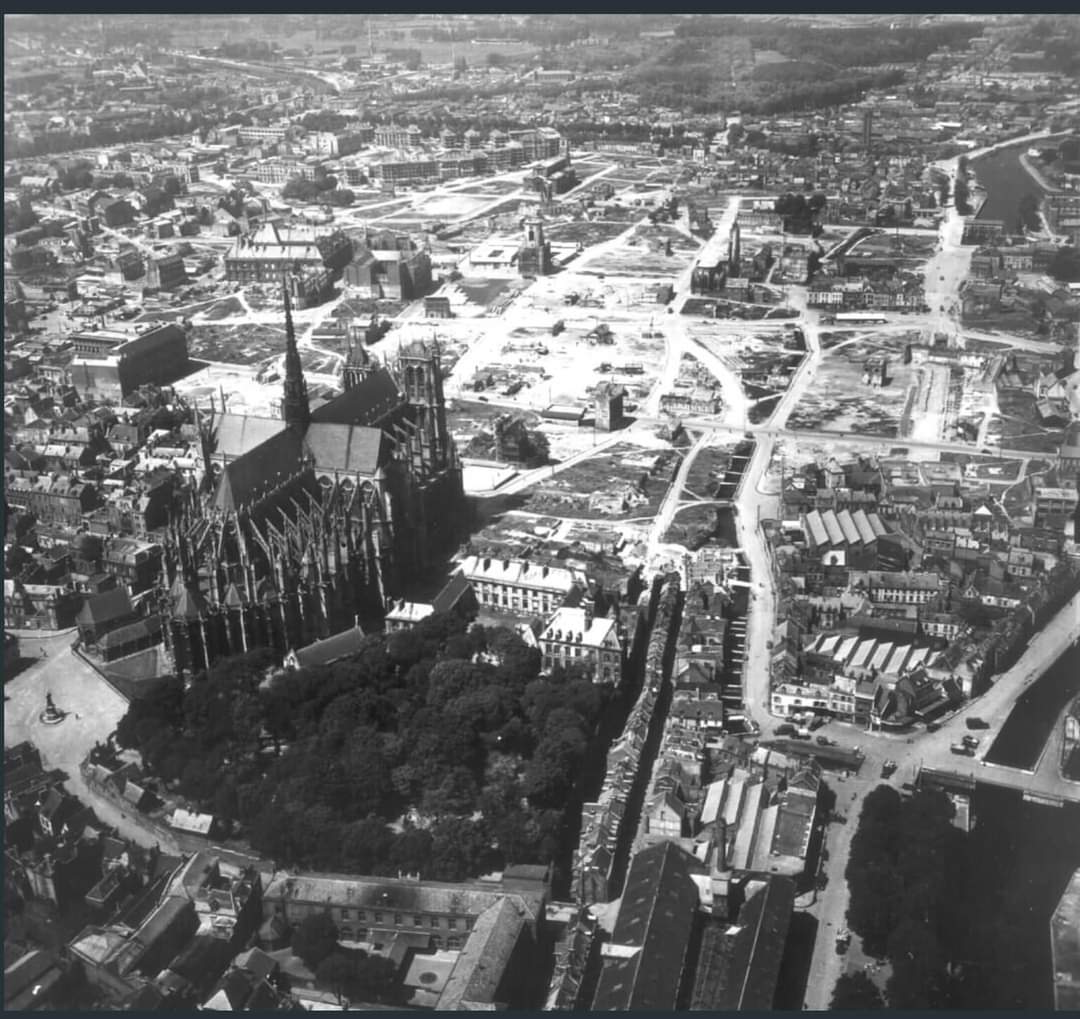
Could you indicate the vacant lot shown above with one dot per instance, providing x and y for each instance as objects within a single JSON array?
[
  {"x": 621, "y": 483},
  {"x": 692, "y": 526},
  {"x": 224, "y": 309},
  {"x": 240, "y": 344},
  {"x": 840, "y": 399},
  {"x": 583, "y": 232}
]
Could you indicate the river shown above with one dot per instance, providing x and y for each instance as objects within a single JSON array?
[
  {"x": 1037, "y": 710},
  {"x": 1004, "y": 880},
  {"x": 1006, "y": 182}
]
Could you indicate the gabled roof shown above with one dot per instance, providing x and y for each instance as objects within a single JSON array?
[
  {"x": 141, "y": 629},
  {"x": 643, "y": 966},
  {"x": 187, "y": 602},
  {"x": 739, "y": 964},
  {"x": 332, "y": 649},
  {"x": 350, "y": 448},
  {"x": 368, "y": 403},
  {"x": 457, "y": 588},
  {"x": 105, "y": 608},
  {"x": 236, "y": 434},
  {"x": 482, "y": 964},
  {"x": 245, "y": 479}
]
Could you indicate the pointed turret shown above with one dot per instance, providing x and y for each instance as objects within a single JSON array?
[{"x": 294, "y": 407}]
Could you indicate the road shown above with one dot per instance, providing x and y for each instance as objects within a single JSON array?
[
  {"x": 930, "y": 750},
  {"x": 671, "y": 502},
  {"x": 945, "y": 272},
  {"x": 92, "y": 707}
]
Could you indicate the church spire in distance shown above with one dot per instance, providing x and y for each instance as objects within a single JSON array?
[{"x": 294, "y": 406}]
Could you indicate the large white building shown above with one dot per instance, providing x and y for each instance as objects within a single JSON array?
[
  {"x": 574, "y": 636},
  {"x": 518, "y": 585}
]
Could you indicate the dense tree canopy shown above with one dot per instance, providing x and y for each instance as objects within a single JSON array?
[
  {"x": 856, "y": 990},
  {"x": 1065, "y": 265},
  {"x": 447, "y": 730},
  {"x": 896, "y": 874}
]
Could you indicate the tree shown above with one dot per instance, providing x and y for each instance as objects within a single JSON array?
[
  {"x": 1065, "y": 265},
  {"x": 357, "y": 975},
  {"x": 337, "y": 973},
  {"x": 340, "y": 196},
  {"x": 298, "y": 189},
  {"x": 315, "y": 938},
  {"x": 856, "y": 990},
  {"x": 366, "y": 845},
  {"x": 459, "y": 847}
]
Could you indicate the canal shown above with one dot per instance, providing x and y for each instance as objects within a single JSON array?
[{"x": 1037, "y": 710}]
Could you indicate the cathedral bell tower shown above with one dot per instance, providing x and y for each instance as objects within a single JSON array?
[
  {"x": 421, "y": 377},
  {"x": 294, "y": 406}
]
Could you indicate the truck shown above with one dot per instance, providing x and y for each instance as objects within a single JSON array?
[{"x": 962, "y": 749}]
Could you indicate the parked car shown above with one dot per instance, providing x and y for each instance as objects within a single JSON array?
[
  {"x": 970, "y": 741},
  {"x": 933, "y": 726},
  {"x": 962, "y": 749},
  {"x": 824, "y": 741},
  {"x": 785, "y": 729}
]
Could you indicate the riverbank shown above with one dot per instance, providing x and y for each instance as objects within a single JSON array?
[
  {"x": 1030, "y": 723},
  {"x": 1005, "y": 180}
]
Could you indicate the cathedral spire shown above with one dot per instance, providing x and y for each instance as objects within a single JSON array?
[{"x": 294, "y": 406}]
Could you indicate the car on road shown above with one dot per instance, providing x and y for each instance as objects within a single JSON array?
[
  {"x": 970, "y": 741},
  {"x": 962, "y": 749},
  {"x": 888, "y": 768},
  {"x": 933, "y": 726},
  {"x": 977, "y": 723},
  {"x": 824, "y": 741},
  {"x": 785, "y": 729}
]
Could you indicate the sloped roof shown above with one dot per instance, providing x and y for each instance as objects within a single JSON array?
[
  {"x": 244, "y": 479},
  {"x": 644, "y": 965},
  {"x": 236, "y": 434},
  {"x": 456, "y": 588},
  {"x": 352, "y": 448},
  {"x": 324, "y": 652},
  {"x": 739, "y": 964},
  {"x": 368, "y": 403},
  {"x": 105, "y": 607},
  {"x": 141, "y": 629},
  {"x": 479, "y": 969},
  {"x": 188, "y": 603},
  {"x": 396, "y": 894}
]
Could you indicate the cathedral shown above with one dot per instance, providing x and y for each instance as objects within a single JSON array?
[{"x": 307, "y": 523}]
